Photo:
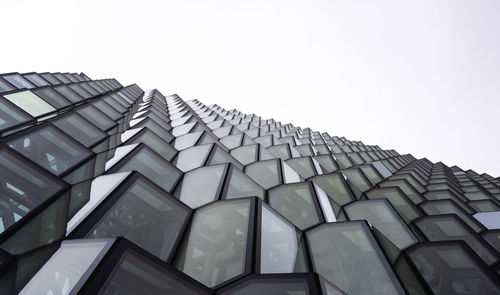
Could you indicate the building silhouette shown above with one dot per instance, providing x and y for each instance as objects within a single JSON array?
[{"x": 108, "y": 189}]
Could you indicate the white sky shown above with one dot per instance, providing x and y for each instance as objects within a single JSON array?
[{"x": 421, "y": 77}]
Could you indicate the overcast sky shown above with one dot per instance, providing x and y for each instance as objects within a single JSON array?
[{"x": 420, "y": 77}]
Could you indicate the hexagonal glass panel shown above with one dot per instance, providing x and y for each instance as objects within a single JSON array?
[
  {"x": 347, "y": 255},
  {"x": 218, "y": 231}
]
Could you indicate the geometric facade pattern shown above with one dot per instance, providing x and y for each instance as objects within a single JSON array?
[{"x": 107, "y": 189}]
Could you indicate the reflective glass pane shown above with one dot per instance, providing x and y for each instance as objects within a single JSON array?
[
  {"x": 265, "y": 173},
  {"x": 216, "y": 246},
  {"x": 50, "y": 148},
  {"x": 30, "y": 103},
  {"x": 202, "y": 186}
]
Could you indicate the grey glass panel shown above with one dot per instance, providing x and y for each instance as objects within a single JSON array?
[
  {"x": 193, "y": 157},
  {"x": 80, "y": 129},
  {"x": 66, "y": 267},
  {"x": 265, "y": 173},
  {"x": 22, "y": 189},
  {"x": 52, "y": 97},
  {"x": 216, "y": 246},
  {"x": 491, "y": 220},
  {"x": 157, "y": 128},
  {"x": 68, "y": 93},
  {"x": 30, "y": 103},
  {"x": 280, "y": 151},
  {"x": 245, "y": 154},
  {"x": 295, "y": 202},
  {"x": 5, "y": 86},
  {"x": 381, "y": 169},
  {"x": 50, "y": 149},
  {"x": 36, "y": 79},
  {"x": 156, "y": 143},
  {"x": 154, "y": 167},
  {"x": 449, "y": 269},
  {"x": 97, "y": 117},
  {"x": 202, "y": 186},
  {"x": 334, "y": 187},
  {"x": 303, "y": 166},
  {"x": 107, "y": 109},
  {"x": 145, "y": 215},
  {"x": 450, "y": 207},
  {"x": 484, "y": 205},
  {"x": 45, "y": 228},
  {"x": 448, "y": 227},
  {"x": 401, "y": 203},
  {"x": 240, "y": 185},
  {"x": 135, "y": 274},
  {"x": 382, "y": 216},
  {"x": 356, "y": 181},
  {"x": 11, "y": 115},
  {"x": 219, "y": 156},
  {"x": 19, "y": 81},
  {"x": 279, "y": 244},
  {"x": 232, "y": 141},
  {"x": 493, "y": 238},
  {"x": 347, "y": 255},
  {"x": 187, "y": 140},
  {"x": 371, "y": 173},
  {"x": 406, "y": 187},
  {"x": 284, "y": 286}
]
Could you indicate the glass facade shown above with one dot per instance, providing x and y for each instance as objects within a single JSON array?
[{"x": 110, "y": 189}]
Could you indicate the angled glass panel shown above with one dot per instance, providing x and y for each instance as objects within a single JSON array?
[
  {"x": 156, "y": 143},
  {"x": 406, "y": 187},
  {"x": 491, "y": 220},
  {"x": 107, "y": 109},
  {"x": 232, "y": 141},
  {"x": 202, "y": 186},
  {"x": 279, "y": 243},
  {"x": 193, "y": 157},
  {"x": 449, "y": 269},
  {"x": 484, "y": 205},
  {"x": 371, "y": 173},
  {"x": 265, "y": 173},
  {"x": 52, "y": 97},
  {"x": 296, "y": 203},
  {"x": 493, "y": 238},
  {"x": 19, "y": 81},
  {"x": 262, "y": 285},
  {"x": 156, "y": 128},
  {"x": 135, "y": 274},
  {"x": 239, "y": 185},
  {"x": 334, "y": 186},
  {"x": 245, "y": 154},
  {"x": 217, "y": 231},
  {"x": 289, "y": 175},
  {"x": 280, "y": 151},
  {"x": 450, "y": 207},
  {"x": 50, "y": 148},
  {"x": 303, "y": 166},
  {"x": 73, "y": 261},
  {"x": 68, "y": 93},
  {"x": 187, "y": 140},
  {"x": 5, "y": 86},
  {"x": 23, "y": 188},
  {"x": 398, "y": 200},
  {"x": 343, "y": 160},
  {"x": 347, "y": 255},
  {"x": 219, "y": 156},
  {"x": 381, "y": 169},
  {"x": 357, "y": 181},
  {"x": 447, "y": 194},
  {"x": 327, "y": 163},
  {"x": 395, "y": 235},
  {"x": 44, "y": 228},
  {"x": 145, "y": 215},
  {"x": 30, "y": 103},
  {"x": 449, "y": 227},
  {"x": 182, "y": 129},
  {"x": 153, "y": 166},
  {"x": 80, "y": 129},
  {"x": 97, "y": 117}
]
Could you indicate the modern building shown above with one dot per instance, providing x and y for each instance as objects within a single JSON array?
[{"x": 108, "y": 189}]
